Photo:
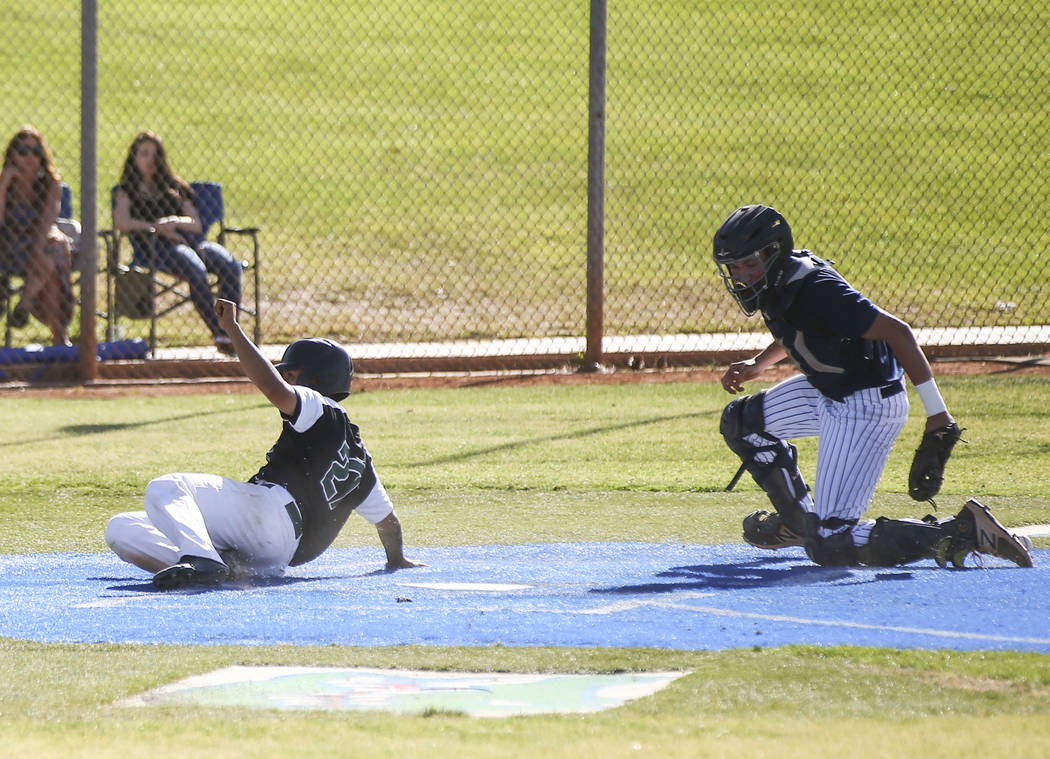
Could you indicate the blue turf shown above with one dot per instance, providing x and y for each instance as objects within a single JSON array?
[{"x": 600, "y": 594}]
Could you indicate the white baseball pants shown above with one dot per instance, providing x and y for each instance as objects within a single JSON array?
[
  {"x": 854, "y": 439},
  {"x": 217, "y": 518},
  {"x": 203, "y": 515}
]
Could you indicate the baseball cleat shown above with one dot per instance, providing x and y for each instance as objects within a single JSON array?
[
  {"x": 977, "y": 531},
  {"x": 191, "y": 570},
  {"x": 763, "y": 529}
]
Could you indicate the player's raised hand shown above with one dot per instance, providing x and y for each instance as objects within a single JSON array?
[
  {"x": 226, "y": 310},
  {"x": 738, "y": 373}
]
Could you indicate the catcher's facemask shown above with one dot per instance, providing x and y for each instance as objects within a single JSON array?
[{"x": 747, "y": 276}]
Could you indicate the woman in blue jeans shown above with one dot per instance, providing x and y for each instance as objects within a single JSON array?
[{"x": 155, "y": 207}]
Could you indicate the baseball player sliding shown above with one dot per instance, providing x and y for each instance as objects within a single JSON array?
[
  {"x": 850, "y": 394},
  {"x": 201, "y": 529}
]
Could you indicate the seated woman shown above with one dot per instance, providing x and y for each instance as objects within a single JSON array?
[
  {"x": 31, "y": 245},
  {"x": 155, "y": 207}
]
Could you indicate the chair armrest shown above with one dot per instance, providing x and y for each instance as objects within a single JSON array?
[
  {"x": 113, "y": 238},
  {"x": 109, "y": 239},
  {"x": 251, "y": 232}
]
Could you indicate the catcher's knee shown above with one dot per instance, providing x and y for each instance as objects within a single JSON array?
[
  {"x": 834, "y": 550},
  {"x": 772, "y": 462},
  {"x": 743, "y": 427},
  {"x": 742, "y": 417}
]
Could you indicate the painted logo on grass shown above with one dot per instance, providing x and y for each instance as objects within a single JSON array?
[{"x": 406, "y": 692}]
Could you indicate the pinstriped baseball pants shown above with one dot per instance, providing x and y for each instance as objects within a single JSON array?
[{"x": 854, "y": 439}]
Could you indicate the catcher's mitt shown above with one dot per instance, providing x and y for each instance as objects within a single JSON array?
[{"x": 927, "y": 467}]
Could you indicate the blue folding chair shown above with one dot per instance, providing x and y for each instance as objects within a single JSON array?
[
  {"x": 212, "y": 213},
  {"x": 145, "y": 293},
  {"x": 65, "y": 208}
]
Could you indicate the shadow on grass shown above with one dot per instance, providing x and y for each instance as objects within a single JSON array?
[
  {"x": 95, "y": 429},
  {"x": 99, "y": 429},
  {"x": 568, "y": 435}
]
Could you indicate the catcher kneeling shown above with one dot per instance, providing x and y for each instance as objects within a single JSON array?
[{"x": 850, "y": 395}]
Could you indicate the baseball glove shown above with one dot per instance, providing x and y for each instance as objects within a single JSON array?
[{"x": 927, "y": 467}]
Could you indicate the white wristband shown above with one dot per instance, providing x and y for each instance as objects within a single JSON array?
[{"x": 931, "y": 397}]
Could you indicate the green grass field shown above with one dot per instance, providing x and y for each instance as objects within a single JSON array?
[
  {"x": 433, "y": 155},
  {"x": 512, "y": 465}
]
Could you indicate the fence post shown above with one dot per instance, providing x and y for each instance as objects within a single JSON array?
[
  {"x": 88, "y": 184},
  {"x": 592, "y": 357}
]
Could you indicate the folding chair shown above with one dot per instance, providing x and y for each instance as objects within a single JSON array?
[
  {"x": 9, "y": 293},
  {"x": 212, "y": 212},
  {"x": 65, "y": 208},
  {"x": 66, "y": 222},
  {"x": 134, "y": 292}
]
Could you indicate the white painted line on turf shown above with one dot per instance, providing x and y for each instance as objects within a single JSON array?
[
  {"x": 615, "y": 608},
  {"x": 484, "y": 586},
  {"x": 112, "y": 603},
  {"x": 859, "y": 625}
]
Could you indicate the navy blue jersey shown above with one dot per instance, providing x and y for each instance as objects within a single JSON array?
[
  {"x": 320, "y": 459},
  {"x": 820, "y": 320}
]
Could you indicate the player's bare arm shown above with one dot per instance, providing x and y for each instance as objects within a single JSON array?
[
  {"x": 740, "y": 372},
  {"x": 901, "y": 339},
  {"x": 389, "y": 529},
  {"x": 256, "y": 366}
]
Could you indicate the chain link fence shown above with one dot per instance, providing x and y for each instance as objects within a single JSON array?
[{"x": 418, "y": 171}]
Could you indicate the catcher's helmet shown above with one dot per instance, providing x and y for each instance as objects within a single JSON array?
[
  {"x": 324, "y": 365},
  {"x": 752, "y": 233}
]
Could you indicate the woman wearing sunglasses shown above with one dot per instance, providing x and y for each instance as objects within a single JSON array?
[{"x": 31, "y": 245}]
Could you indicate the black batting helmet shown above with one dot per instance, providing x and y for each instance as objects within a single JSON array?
[
  {"x": 758, "y": 231},
  {"x": 324, "y": 365}
]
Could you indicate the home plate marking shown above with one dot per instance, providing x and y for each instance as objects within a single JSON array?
[
  {"x": 477, "y": 694},
  {"x": 485, "y": 586}
]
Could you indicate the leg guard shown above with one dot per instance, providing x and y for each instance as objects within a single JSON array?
[
  {"x": 835, "y": 550},
  {"x": 901, "y": 541},
  {"x": 772, "y": 462}
]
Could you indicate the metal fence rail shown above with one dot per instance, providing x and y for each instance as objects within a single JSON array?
[{"x": 418, "y": 171}]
